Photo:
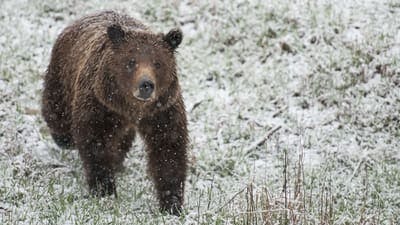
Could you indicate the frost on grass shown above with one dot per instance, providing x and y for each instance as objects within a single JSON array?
[{"x": 326, "y": 72}]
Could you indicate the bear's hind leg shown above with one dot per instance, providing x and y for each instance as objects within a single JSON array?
[
  {"x": 55, "y": 110},
  {"x": 124, "y": 145},
  {"x": 63, "y": 141}
]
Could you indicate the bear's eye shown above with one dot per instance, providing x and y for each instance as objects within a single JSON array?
[
  {"x": 157, "y": 65},
  {"x": 131, "y": 64}
]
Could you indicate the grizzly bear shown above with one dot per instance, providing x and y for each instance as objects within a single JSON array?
[{"x": 109, "y": 77}]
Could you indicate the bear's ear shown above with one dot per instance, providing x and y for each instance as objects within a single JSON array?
[
  {"x": 115, "y": 33},
  {"x": 173, "y": 38}
]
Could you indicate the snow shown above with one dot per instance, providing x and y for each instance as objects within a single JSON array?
[{"x": 335, "y": 95}]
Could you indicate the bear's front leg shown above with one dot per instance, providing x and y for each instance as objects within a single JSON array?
[
  {"x": 100, "y": 178},
  {"x": 166, "y": 138},
  {"x": 96, "y": 136},
  {"x": 97, "y": 162}
]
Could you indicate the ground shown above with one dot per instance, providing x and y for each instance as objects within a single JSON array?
[{"x": 293, "y": 107}]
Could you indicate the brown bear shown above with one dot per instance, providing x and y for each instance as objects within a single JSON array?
[{"x": 109, "y": 77}]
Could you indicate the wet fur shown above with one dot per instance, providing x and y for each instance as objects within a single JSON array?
[{"x": 86, "y": 107}]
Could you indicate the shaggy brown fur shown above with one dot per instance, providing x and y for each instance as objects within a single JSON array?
[{"x": 90, "y": 101}]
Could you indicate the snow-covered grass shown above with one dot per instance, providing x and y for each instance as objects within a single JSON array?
[{"x": 294, "y": 110}]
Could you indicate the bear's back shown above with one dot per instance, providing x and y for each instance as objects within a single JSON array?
[{"x": 102, "y": 20}]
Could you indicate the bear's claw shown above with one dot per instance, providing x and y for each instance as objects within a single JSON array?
[{"x": 172, "y": 205}]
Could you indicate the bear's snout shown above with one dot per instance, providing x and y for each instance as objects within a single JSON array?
[{"x": 146, "y": 88}]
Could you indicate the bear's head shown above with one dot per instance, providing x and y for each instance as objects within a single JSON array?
[{"x": 138, "y": 74}]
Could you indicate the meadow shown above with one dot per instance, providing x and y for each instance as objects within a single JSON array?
[{"x": 293, "y": 108}]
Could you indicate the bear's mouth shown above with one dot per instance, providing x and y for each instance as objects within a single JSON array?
[{"x": 142, "y": 97}]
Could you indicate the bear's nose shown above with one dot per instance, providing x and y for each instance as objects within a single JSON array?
[{"x": 146, "y": 87}]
